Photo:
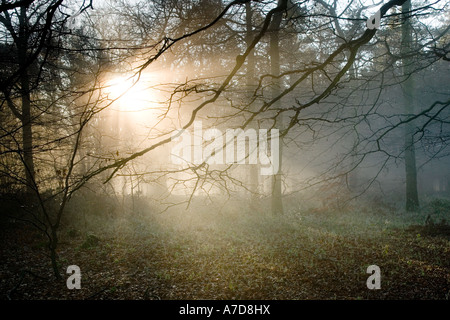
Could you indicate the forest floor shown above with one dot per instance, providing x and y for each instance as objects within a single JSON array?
[{"x": 213, "y": 255}]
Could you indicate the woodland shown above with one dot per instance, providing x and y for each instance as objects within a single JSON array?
[{"x": 222, "y": 150}]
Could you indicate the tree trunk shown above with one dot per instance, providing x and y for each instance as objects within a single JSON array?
[
  {"x": 54, "y": 254},
  {"x": 27, "y": 136},
  {"x": 27, "y": 132},
  {"x": 412, "y": 197},
  {"x": 274, "y": 53},
  {"x": 250, "y": 78}
]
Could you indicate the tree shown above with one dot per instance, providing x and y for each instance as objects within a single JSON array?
[
  {"x": 38, "y": 98},
  {"x": 274, "y": 53},
  {"x": 412, "y": 197},
  {"x": 251, "y": 80},
  {"x": 24, "y": 38}
]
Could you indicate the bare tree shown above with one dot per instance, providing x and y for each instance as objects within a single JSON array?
[{"x": 412, "y": 197}]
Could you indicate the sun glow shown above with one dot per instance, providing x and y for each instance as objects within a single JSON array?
[{"x": 130, "y": 94}]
